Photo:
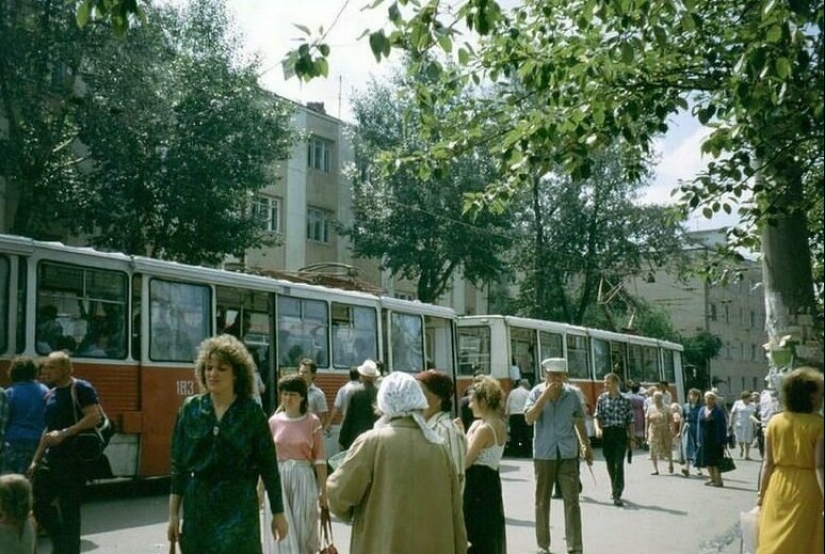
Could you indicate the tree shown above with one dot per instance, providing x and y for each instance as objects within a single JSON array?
[
  {"x": 575, "y": 233},
  {"x": 415, "y": 223},
  {"x": 700, "y": 349},
  {"x": 42, "y": 50},
  {"x": 171, "y": 138},
  {"x": 603, "y": 69}
]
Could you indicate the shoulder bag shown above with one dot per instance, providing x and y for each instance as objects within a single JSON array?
[
  {"x": 89, "y": 444},
  {"x": 327, "y": 546}
]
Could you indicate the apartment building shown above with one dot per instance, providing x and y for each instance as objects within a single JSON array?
[{"x": 734, "y": 311}]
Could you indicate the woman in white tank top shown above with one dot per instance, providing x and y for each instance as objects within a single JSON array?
[{"x": 483, "y": 505}]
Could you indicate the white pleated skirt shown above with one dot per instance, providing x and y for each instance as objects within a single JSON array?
[{"x": 300, "y": 493}]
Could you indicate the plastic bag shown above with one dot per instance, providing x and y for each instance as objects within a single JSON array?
[{"x": 749, "y": 525}]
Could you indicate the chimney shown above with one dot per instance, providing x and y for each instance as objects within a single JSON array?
[{"x": 316, "y": 107}]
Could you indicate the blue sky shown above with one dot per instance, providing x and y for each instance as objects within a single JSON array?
[{"x": 268, "y": 27}]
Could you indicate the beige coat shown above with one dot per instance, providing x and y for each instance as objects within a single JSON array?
[{"x": 401, "y": 493}]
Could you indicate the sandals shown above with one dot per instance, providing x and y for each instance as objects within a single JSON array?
[
  {"x": 654, "y": 473},
  {"x": 685, "y": 472}
]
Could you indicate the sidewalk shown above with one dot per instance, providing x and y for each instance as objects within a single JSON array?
[{"x": 662, "y": 513}]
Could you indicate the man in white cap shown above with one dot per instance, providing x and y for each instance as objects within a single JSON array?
[
  {"x": 558, "y": 415},
  {"x": 360, "y": 414}
]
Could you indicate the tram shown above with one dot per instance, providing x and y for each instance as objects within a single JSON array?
[
  {"x": 505, "y": 346},
  {"x": 133, "y": 325}
]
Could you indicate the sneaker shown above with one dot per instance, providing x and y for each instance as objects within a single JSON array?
[
  {"x": 618, "y": 502},
  {"x": 542, "y": 551}
]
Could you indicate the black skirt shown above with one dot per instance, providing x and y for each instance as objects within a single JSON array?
[{"x": 484, "y": 511}]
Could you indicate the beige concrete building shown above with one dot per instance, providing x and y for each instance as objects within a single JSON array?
[{"x": 734, "y": 312}]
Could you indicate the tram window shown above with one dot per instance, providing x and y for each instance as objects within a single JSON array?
[
  {"x": 634, "y": 363},
  {"x": 523, "y": 343},
  {"x": 407, "y": 342},
  {"x": 439, "y": 333},
  {"x": 4, "y": 302},
  {"x": 354, "y": 335},
  {"x": 577, "y": 357},
  {"x": 303, "y": 328},
  {"x": 650, "y": 361},
  {"x": 473, "y": 350},
  {"x": 670, "y": 366},
  {"x": 82, "y": 310},
  {"x": 601, "y": 358},
  {"x": 179, "y": 315},
  {"x": 550, "y": 345}
]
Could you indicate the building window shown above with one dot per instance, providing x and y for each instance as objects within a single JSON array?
[
  {"x": 318, "y": 154},
  {"x": 713, "y": 312},
  {"x": 318, "y": 223},
  {"x": 753, "y": 319},
  {"x": 267, "y": 210},
  {"x": 753, "y": 352},
  {"x": 727, "y": 314}
]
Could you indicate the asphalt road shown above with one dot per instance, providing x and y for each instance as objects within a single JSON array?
[{"x": 664, "y": 513}]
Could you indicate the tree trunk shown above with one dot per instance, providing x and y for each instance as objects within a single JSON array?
[{"x": 790, "y": 304}]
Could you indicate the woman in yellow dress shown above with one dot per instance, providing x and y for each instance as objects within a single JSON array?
[{"x": 791, "y": 489}]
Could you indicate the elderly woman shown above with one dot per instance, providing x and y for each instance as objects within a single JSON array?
[
  {"x": 791, "y": 494},
  {"x": 713, "y": 437},
  {"x": 658, "y": 432},
  {"x": 438, "y": 390},
  {"x": 741, "y": 422},
  {"x": 397, "y": 483},
  {"x": 220, "y": 447}
]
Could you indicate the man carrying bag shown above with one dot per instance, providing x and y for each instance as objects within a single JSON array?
[{"x": 57, "y": 472}]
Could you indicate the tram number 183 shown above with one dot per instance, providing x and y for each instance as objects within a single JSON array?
[{"x": 186, "y": 388}]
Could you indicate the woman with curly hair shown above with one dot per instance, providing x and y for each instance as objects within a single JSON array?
[
  {"x": 486, "y": 437},
  {"x": 221, "y": 445},
  {"x": 791, "y": 489}
]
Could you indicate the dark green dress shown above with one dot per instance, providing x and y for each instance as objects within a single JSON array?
[{"x": 215, "y": 469}]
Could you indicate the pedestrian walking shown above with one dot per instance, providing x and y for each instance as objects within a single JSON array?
[
  {"x": 615, "y": 427},
  {"x": 558, "y": 416}
]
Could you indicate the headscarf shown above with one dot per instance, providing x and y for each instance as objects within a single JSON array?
[{"x": 400, "y": 395}]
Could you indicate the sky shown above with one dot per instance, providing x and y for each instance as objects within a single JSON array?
[{"x": 269, "y": 29}]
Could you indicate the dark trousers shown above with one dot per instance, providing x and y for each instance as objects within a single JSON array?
[
  {"x": 614, "y": 447},
  {"x": 521, "y": 436},
  {"x": 57, "y": 496}
]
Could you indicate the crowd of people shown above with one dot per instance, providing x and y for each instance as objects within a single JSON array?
[{"x": 411, "y": 476}]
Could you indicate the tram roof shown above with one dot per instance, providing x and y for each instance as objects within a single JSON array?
[
  {"x": 174, "y": 270},
  {"x": 417, "y": 307}
]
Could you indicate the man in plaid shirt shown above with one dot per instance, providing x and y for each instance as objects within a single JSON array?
[{"x": 613, "y": 423}]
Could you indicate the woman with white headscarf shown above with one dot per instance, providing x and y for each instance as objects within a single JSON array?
[{"x": 397, "y": 483}]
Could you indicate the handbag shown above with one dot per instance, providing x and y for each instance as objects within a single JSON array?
[
  {"x": 726, "y": 463},
  {"x": 327, "y": 547},
  {"x": 89, "y": 444},
  {"x": 731, "y": 439}
]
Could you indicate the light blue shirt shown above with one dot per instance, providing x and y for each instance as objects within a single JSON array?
[{"x": 555, "y": 429}]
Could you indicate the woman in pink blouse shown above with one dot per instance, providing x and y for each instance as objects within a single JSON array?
[{"x": 300, "y": 448}]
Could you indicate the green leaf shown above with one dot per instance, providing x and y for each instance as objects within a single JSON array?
[
  {"x": 303, "y": 28},
  {"x": 84, "y": 10},
  {"x": 378, "y": 43},
  {"x": 463, "y": 56},
  {"x": 783, "y": 68},
  {"x": 324, "y": 50},
  {"x": 445, "y": 42},
  {"x": 627, "y": 53}
]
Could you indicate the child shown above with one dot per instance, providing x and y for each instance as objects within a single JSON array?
[{"x": 16, "y": 530}]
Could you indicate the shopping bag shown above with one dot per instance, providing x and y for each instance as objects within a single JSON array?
[{"x": 749, "y": 525}]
